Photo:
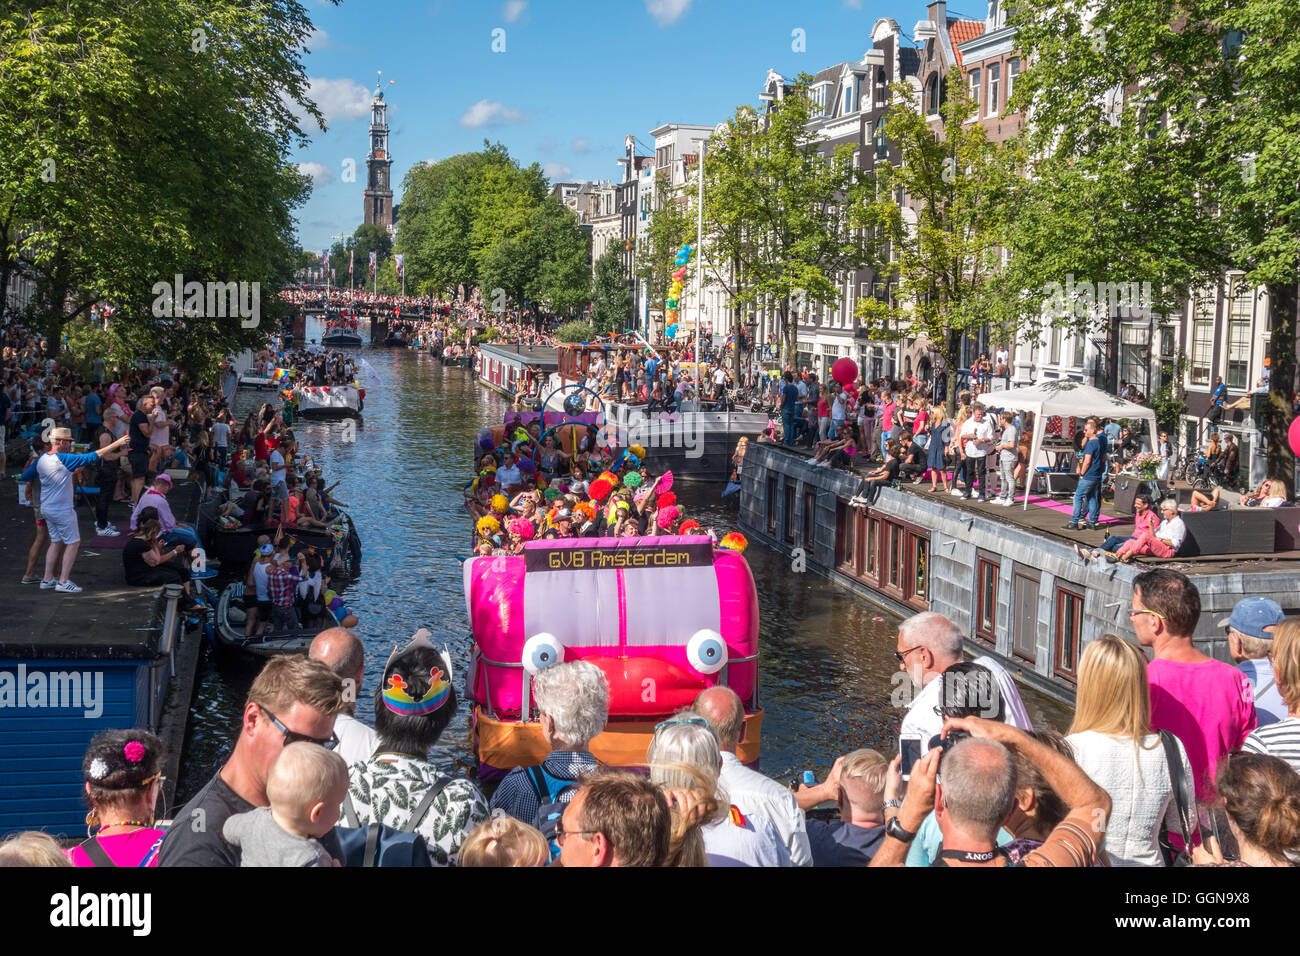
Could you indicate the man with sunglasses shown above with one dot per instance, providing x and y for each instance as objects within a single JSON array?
[
  {"x": 928, "y": 644},
  {"x": 1207, "y": 704},
  {"x": 292, "y": 699}
]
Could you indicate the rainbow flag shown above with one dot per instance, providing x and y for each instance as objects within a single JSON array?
[{"x": 280, "y": 374}]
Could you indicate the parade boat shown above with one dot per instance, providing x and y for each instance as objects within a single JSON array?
[
  {"x": 258, "y": 380},
  {"x": 695, "y": 441},
  {"x": 229, "y": 618},
  {"x": 329, "y": 401},
  {"x": 342, "y": 332},
  {"x": 663, "y": 617},
  {"x": 233, "y": 545}
]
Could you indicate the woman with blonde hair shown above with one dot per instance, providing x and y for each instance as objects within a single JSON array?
[
  {"x": 1112, "y": 741},
  {"x": 1282, "y": 739}
]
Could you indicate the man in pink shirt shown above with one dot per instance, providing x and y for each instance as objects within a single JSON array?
[{"x": 1207, "y": 704}]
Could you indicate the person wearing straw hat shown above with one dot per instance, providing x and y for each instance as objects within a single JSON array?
[{"x": 55, "y": 469}]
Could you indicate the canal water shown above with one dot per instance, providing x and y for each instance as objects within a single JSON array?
[{"x": 826, "y": 657}]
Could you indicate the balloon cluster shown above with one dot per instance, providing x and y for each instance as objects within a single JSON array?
[{"x": 675, "y": 290}]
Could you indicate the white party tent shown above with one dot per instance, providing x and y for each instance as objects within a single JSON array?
[{"x": 1067, "y": 398}]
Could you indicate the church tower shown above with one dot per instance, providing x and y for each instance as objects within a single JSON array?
[{"x": 378, "y": 196}]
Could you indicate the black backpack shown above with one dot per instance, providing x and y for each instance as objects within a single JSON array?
[{"x": 379, "y": 845}]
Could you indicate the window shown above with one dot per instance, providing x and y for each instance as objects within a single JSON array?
[
  {"x": 975, "y": 93},
  {"x": 1134, "y": 354},
  {"x": 1024, "y": 630},
  {"x": 789, "y": 512},
  {"x": 1069, "y": 628},
  {"x": 1241, "y": 305},
  {"x": 1202, "y": 339},
  {"x": 986, "y": 599},
  {"x": 845, "y": 521},
  {"x": 869, "y": 547},
  {"x": 894, "y": 556},
  {"x": 848, "y": 95},
  {"x": 809, "y": 516},
  {"x": 771, "y": 504},
  {"x": 1013, "y": 71},
  {"x": 995, "y": 80},
  {"x": 882, "y": 145},
  {"x": 919, "y": 585},
  {"x": 1079, "y": 343},
  {"x": 1054, "y": 353},
  {"x": 932, "y": 95}
]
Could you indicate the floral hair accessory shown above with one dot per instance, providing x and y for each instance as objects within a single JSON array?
[
  {"x": 133, "y": 751},
  {"x": 98, "y": 769}
]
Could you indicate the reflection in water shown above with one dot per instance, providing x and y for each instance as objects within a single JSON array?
[{"x": 826, "y": 656}]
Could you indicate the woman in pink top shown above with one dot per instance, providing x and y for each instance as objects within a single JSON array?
[{"x": 123, "y": 771}]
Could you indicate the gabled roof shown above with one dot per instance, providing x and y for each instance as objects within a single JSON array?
[{"x": 959, "y": 31}]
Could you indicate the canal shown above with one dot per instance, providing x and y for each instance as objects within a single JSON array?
[{"x": 826, "y": 657}]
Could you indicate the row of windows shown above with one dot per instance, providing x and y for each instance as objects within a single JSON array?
[
  {"x": 1240, "y": 305},
  {"x": 990, "y": 98},
  {"x": 1067, "y": 615},
  {"x": 891, "y": 556}
]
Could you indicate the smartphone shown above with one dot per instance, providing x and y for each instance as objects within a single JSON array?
[
  {"x": 910, "y": 748},
  {"x": 809, "y": 778}
]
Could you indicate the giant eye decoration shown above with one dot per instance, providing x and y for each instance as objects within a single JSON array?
[
  {"x": 707, "y": 651},
  {"x": 542, "y": 651}
]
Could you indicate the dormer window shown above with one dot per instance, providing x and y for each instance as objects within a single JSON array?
[{"x": 848, "y": 95}]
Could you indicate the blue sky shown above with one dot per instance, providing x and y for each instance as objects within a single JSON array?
[{"x": 575, "y": 77}]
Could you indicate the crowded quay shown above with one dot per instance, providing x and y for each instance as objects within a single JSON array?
[{"x": 859, "y": 475}]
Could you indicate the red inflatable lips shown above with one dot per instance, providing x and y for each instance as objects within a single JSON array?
[{"x": 649, "y": 686}]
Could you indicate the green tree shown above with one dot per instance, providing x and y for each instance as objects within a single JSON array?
[
  {"x": 941, "y": 252},
  {"x": 611, "y": 298},
  {"x": 1175, "y": 121},
  {"x": 561, "y": 258}
]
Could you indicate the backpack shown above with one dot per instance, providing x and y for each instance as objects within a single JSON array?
[
  {"x": 379, "y": 845},
  {"x": 549, "y": 792}
]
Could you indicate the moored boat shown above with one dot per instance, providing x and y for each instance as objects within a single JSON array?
[
  {"x": 233, "y": 546},
  {"x": 230, "y": 617}
]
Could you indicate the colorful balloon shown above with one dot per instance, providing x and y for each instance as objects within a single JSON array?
[
  {"x": 1294, "y": 436},
  {"x": 844, "y": 371}
]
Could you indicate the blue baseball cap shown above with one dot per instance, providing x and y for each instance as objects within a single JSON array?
[{"x": 1251, "y": 615}]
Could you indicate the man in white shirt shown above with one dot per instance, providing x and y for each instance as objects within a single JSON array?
[
  {"x": 928, "y": 644},
  {"x": 279, "y": 473},
  {"x": 977, "y": 439},
  {"x": 508, "y": 475},
  {"x": 751, "y": 792},
  {"x": 341, "y": 650}
]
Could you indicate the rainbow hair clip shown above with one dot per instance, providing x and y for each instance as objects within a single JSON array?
[{"x": 400, "y": 702}]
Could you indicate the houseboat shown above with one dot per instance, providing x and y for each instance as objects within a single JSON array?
[
  {"x": 695, "y": 441},
  {"x": 507, "y": 368},
  {"x": 1010, "y": 579}
]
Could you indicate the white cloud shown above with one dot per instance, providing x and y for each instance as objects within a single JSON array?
[
  {"x": 556, "y": 172},
  {"x": 318, "y": 39},
  {"x": 319, "y": 173},
  {"x": 339, "y": 99},
  {"x": 513, "y": 9},
  {"x": 546, "y": 146},
  {"x": 491, "y": 113},
  {"x": 581, "y": 145},
  {"x": 667, "y": 12},
  {"x": 853, "y": 4}
]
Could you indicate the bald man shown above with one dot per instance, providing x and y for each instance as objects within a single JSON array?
[
  {"x": 749, "y": 790},
  {"x": 342, "y": 652}
]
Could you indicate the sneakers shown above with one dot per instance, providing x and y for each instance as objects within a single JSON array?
[
  {"x": 31, "y": 579},
  {"x": 1004, "y": 502},
  {"x": 107, "y": 531},
  {"x": 51, "y": 583},
  {"x": 959, "y": 494},
  {"x": 1110, "y": 556},
  {"x": 1084, "y": 554},
  {"x": 67, "y": 587},
  {"x": 1070, "y": 527}
]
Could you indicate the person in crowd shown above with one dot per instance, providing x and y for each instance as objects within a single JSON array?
[
  {"x": 305, "y": 788},
  {"x": 835, "y": 451},
  {"x": 940, "y": 438},
  {"x": 282, "y": 579},
  {"x": 976, "y": 435},
  {"x": 684, "y": 754},
  {"x": 1251, "y": 630},
  {"x": 976, "y": 796},
  {"x": 148, "y": 562},
  {"x": 31, "y": 848},
  {"x": 342, "y": 652},
  {"x": 503, "y": 841},
  {"x": 292, "y": 699},
  {"x": 928, "y": 644},
  {"x": 1112, "y": 741},
  {"x": 123, "y": 780},
  {"x": 1165, "y": 449},
  {"x": 857, "y": 784},
  {"x": 42, "y": 539},
  {"x": 873, "y": 481},
  {"x": 1164, "y": 542},
  {"x": 174, "y": 532},
  {"x": 398, "y": 786},
  {"x": 789, "y": 409},
  {"x": 573, "y": 700},
  {"x": 1092, "y": 469},
  {"x": 1261, "y": 796},
  {"x": 752, "y": 792},
  {"x": 55, "y": 468},
  {"x": 1008, "y": 455},
  {"x": 1145, "y": 522},
  {"x": 1206, "y": 704},
  {"x": 615, "y": 819},
  {"x": 1281, "y": 738},
  {"x": 108, "y": 471}
]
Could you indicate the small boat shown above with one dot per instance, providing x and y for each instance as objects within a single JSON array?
[
  {"x": 328, "y": 401},
  {"x": 228, "y": 625},
  {"x": 342, "y": 332},
  {"x": 233, "y": 546}
]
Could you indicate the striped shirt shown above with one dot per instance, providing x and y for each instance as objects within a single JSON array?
[{"x": 1281, "y": 739}]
